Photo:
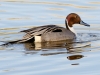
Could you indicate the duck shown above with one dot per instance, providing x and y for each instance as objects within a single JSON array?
[{"x": 51, "y": 33}]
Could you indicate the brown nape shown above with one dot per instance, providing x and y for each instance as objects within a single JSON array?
[{"x": 73, "y": 18}]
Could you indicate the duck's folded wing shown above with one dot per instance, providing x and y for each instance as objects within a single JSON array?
[{"x": 37, "y": 31}]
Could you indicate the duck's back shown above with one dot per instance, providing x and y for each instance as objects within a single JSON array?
[{"x": 48, "y": 33}]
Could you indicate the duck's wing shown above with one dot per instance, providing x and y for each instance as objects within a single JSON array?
[
  {"x": 38, "y": 31},
  {"x": 40, "y": 28}
]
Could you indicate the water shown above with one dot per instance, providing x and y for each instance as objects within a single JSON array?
[{"x": 59, "y": 58}]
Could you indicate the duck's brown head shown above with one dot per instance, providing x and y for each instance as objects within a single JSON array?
[{"x": 72, "y": 19}]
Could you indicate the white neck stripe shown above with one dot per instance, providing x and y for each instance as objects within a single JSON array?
[{"x": 71, "y": 28}]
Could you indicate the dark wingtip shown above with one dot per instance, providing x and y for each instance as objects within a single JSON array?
[{"x": 23, "y": 31}]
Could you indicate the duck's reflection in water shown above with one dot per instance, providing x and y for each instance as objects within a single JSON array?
[
  {"x": 53, "y": 48},
  {"x": 48, "y": 45},
  {"x": 75, "y": 57},
  {"x": 72, "y": 49}
]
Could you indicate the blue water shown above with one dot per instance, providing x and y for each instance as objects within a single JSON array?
[{"x": 49, "y": 58}]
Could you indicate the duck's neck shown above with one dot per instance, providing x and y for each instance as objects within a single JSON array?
[{"x": 70, "y": 28}]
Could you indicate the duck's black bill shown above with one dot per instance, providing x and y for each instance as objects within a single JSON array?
[{"x": 85, "y": 24}]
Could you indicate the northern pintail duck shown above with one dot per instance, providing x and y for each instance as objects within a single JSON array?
[{"x": 54, "y": 32}]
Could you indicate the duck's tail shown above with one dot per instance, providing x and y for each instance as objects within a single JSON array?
[{"x": 10, "y": 42}]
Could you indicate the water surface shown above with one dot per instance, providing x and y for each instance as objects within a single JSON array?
[{"x": 59, "y": 58}]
